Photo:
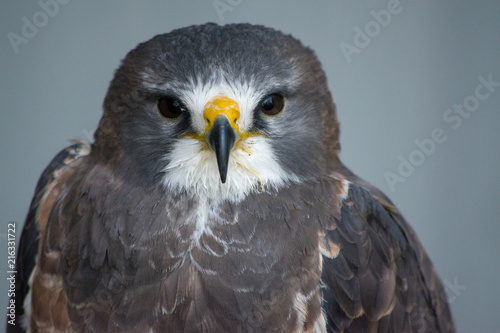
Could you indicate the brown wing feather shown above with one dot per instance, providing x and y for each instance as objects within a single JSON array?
[
  {"x": 380, "y": 280},
  {"x": 38, "y": 213}
]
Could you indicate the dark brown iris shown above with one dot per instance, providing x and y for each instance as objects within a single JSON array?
[
  {"x": 170, "y": 107},
  {"x": 272, "y": 104}
]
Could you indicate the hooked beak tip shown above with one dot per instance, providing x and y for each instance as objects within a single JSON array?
[{"x": 221, "y": 138}]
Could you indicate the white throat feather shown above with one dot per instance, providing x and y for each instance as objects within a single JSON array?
[{"x": 252, "y": 167}]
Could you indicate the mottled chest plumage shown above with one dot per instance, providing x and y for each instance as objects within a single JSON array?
[{"x": 218, "y": 265}]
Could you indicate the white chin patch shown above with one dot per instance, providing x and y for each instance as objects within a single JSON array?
[{"x": 252, "y": 167}]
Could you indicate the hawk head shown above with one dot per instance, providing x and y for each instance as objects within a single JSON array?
[{"x": 218, "y": 111}]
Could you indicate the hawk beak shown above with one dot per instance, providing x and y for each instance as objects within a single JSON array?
[{"x": 221, "y": 131}]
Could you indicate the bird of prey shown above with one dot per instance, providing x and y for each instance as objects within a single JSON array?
[{"x": 213, "y": 199}]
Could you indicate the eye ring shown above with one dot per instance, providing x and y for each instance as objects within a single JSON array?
[
  {"x": 170, "y": 107},
  {"x": 272, "y": 104}
]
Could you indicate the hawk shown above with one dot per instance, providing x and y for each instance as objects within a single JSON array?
[{"x": 213, "y": 199}]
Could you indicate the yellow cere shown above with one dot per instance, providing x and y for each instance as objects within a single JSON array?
[{"x": 222, "y": 105}]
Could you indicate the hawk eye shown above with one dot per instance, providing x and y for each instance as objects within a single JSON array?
[
  {"x": 272, "y": 104},
  {"x": 170, "y": 107}
]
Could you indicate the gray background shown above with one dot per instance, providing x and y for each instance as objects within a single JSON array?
[{"x": 393, "y": 92}]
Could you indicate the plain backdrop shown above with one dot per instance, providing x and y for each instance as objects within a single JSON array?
[{"x": 393, "y": 87}]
